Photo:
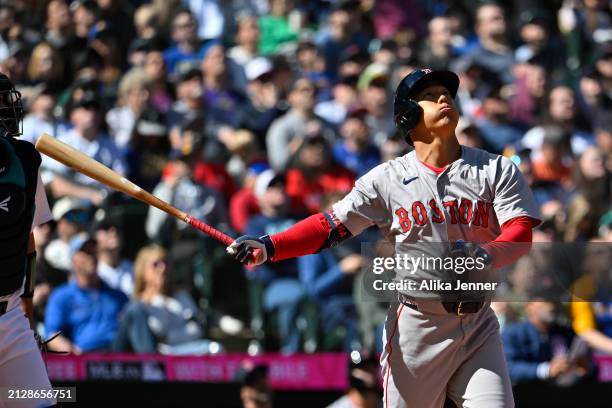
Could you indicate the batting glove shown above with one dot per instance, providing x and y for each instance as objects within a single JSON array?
[
  {"x": 251, "y": 250},
  {"x": 466, "y": 249}
]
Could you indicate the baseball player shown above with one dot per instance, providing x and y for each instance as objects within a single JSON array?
[
  {"x": 475, "y": 202},
  {"x": 23, "y": 206}
]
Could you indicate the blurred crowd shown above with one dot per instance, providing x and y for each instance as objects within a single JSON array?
[{"x": 251, "y": 114}]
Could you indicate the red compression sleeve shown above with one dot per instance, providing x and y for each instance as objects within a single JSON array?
[
  {"x": 304, "y": 238},
  {"x": 513, "y": 242}
]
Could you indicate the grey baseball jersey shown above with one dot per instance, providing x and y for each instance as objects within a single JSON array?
[
  {"x": 421, "y": 212},
  {"x": 430, "y": 353}
]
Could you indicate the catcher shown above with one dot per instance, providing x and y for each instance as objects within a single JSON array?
[
  {"x": 475, "y": 204},
  {"x": 23, "y": 206}
]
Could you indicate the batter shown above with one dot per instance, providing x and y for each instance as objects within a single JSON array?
[{"x": 440, "y": 198}]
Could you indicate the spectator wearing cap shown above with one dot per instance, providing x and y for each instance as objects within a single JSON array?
[
  {"x": 563, "y": 111},
  {"x": 147, "y": 153},
  {"x": 71, "y": 216},
  {"x": 113, "y": 269},
  {"x": 538, "y": 348},
  {"x": 352, "y": 61},
  {"x": 179, "y": 188},
  {"x": 189, "y": 101},
  {"x": 86, "y": 136},
  {"x": 493, "y": 51},
  {"x": 187, "y": 48},
  {"x": 86, "y": 310},
  {"x": 314, "y": 173},
  {"x": 263, "y": 107},
  {"x": 344, "y": 98},
  {"x": 208, "y": 161},
  {"x": 538, "y": 44},
  {"x": 162, "y": 94},
  {"x": 340, "y": 32},
  {"x": 355, "y": 150},
  {"x": 287, "y": 132},
  {"x": 275, "y": 28},
  {"x": 283, "y": 292},
  {"x": 160, "y": 318},
  {"x": 437, "y": 51},
  {"x": 246, "y": 39},
  {"x": 387, "y": 53},
  {"x": 133, "y": 97},
  {"x": 41, "y": 118}
]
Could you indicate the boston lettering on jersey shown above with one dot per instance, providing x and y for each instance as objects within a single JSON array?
[{"x": 464, "y": 211}]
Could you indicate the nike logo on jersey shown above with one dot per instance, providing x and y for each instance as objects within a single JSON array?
[
  {"x": 4, "y": 204},
  {"x": 406, "y": 181}
]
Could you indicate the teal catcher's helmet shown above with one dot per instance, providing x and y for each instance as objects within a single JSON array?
[{"x": 11, "y": 109}]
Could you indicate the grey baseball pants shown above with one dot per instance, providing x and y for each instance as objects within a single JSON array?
[{"x": 430, "y": 354}]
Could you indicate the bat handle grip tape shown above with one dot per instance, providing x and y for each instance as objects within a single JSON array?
[{"x": 207, "y": 229}]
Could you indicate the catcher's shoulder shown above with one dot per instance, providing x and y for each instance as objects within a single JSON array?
[{"x": 26, "y": 150}]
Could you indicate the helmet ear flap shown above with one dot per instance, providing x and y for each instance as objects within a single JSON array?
[{"x": 407, "y": 117}]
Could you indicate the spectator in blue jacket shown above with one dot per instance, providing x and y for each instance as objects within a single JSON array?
[
  {"x": 355, "y": 151},
  {"x": 329, "y": 282},
  {"x": 85, "y": 310},
  {"x": 283, "y": 290},
  {"x": 537, "y": 348},
  {"x": 187, "y": 47}
]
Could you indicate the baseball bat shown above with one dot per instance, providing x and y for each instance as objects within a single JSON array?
[{"x": 82, "y": 163}]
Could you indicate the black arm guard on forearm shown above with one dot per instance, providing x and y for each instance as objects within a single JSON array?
[{"x": 30, "y": 276}]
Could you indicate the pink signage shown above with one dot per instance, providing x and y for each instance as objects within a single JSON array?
[
  {"x": 324, "y": 371},
  {"x": 604, "y": 365}
]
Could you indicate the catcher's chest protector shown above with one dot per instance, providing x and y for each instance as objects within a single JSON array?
[{"x": 19, "y": 164}]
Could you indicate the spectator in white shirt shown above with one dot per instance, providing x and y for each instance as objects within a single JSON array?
[
  {"x": 133, "y": 97},
  {"x": 42, "y": 119},
  {"x": 85, "y": 115}
]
